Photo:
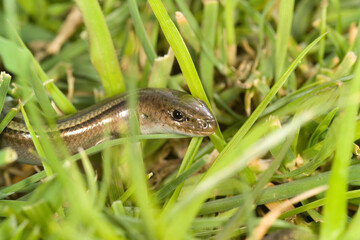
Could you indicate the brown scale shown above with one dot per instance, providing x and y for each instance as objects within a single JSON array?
[{"x": 159, "y": 111}]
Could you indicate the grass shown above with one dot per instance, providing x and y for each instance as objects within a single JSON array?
[{"x": 282, "y": 78}]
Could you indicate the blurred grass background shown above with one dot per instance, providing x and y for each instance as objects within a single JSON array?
[{"x": 281, "y": 76}]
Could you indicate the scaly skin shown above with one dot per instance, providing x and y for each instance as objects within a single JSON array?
[{"x": 159, "y": 111}]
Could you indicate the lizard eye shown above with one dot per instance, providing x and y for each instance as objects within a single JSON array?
[{"x": 178, "y": 116}]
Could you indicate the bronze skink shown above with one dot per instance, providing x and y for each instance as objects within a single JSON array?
[{"x": 159, "y": 111}]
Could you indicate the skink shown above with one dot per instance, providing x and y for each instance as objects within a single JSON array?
[{"x": 159, "y": 111}]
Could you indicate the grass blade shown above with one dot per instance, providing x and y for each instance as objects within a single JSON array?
[
  {"x": 59, "y": 98},
  {"x": 335, "y": 203},
  {"x": 140, "y": 31},
  {"x": 283, "y": 34},
  {"x": 35, "y": 140},
  {"x": 4, "y": 86},
  {"x": 230, "y": 30},
  {"x": 184, "y": 59},
  {"x": 261, "y": 107},
  {"x": 184, "y": 210},
  {"x": 209, "y": 29},
  {"x": 102, "y": 51}
]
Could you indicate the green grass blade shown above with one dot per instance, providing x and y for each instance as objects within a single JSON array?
[
  {"x": 106, "y": 176},
  {"x": 116, "y": 142},
  {"x": 266, "y": 176},
  {"x": 4, "y": 86},
  {"x": 185, "y": 164},
  {"x": 184, "y": 59},
  {"x": 322, "y": 127},
  {"x": 278, "y": 192},
  {"x": 12, "y": 113},
  {"x": 353, "y": 230},
  {"x": 208, "y": 28},
  {"x": 102, "y": 51},
  {"x": 35, "y": 140},
  {"x": 230, "y": 30},
  {"x": 339, "y": 41},
  {"x": 160, "y": 72},
  {"x": 280, "y": 112},
  {"x": 238, "y": 157},
  {"x": 335, "y": 206},
  {"x": 171, "y": 186},
  {"x": 336, "y": 4},
  {"x": 15, "y": 58},
  {"x": 318, "y": 203},
  {"x": 261, "y": 107},
  {"x": 23, "y": 184},
  {"x": 140, "y": 31},
  {"x": 40, "y": 93},
  {"x": 186, "y": 31},
  {"x": 8, "y": 117},
  {"x": 323, "y": 27},
  {"x": 204, "y": 46},
  {"x": 345, "y": 66},
  {"x": 59, "y": 98},
  {"x": 181, "y": 52},
  {"x": 90, "y": 175},
  {"x": 11, "y": 15},
  {"x": 134, "y": 158},
  {"x": 227, "y": 157},
  {"x": 283, "y": 34}
]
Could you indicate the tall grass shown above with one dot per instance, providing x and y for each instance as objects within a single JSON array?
[{"x": 284, "y": 91}]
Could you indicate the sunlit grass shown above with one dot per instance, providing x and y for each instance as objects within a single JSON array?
[{"x": 282, "y": 78}]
